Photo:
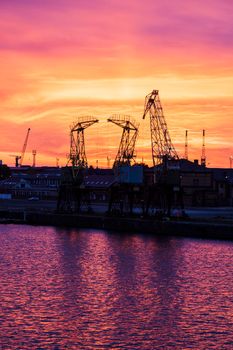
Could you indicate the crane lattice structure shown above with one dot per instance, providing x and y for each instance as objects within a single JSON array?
[
  {"x": 162, "y": 147},
  {"x": 72, "y": 194},
  {"x": 126, "y": 148},
  {"x": 19, "y": 159},
  {"x": 77, "y": 155},
  {"x": 24, "y": 148}
]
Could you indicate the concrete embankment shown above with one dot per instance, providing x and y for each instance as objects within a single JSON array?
[
  {"x": 201, "y": 229},
  {"x": 204, "y": 227}
]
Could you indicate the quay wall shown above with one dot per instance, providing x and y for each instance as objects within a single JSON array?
[
  {"x": 214, "y": 230},
  {"x": 202, "y": 228}
]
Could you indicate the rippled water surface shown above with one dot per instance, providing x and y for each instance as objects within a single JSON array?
[{"x": 89, "y": 289}]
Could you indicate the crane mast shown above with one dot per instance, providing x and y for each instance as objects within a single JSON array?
[
  {"x": 77, "y": 155},
  {"x": 126, "y": 148},
  {"x": 161, "y": 144}
]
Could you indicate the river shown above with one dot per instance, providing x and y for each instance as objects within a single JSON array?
[{"x": 92, "y": 289}]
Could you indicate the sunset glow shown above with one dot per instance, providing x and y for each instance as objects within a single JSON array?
[{"x": 68, "y": 58}]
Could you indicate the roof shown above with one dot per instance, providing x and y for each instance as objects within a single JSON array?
[
  {"x": 99, "y": 181},
  {"x": 187, "y": 165}
]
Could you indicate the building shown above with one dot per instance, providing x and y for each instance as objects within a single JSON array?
[{"x": 26, "y": 183}]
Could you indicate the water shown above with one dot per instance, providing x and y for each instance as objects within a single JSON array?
[{"x": 91, "y": 289}]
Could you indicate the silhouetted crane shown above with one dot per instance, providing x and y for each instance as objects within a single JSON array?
[
  {"x": 19, "y": 159},
  {"x": 166, "y": 185},
  {"x": 161, "y": 144},
  {"x": 77, "y": 155},
  {"x": 126, "y": 148}
]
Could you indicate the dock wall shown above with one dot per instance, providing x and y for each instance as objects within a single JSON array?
[{"x": 140, "y": 225}]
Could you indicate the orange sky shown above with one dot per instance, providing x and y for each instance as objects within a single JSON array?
[{"x": 63, "y": 59}]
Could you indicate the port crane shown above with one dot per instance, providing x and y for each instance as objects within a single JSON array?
[
  {"x": 126, "y": 148},
  {"x": 72, "y": 194},
  {"x": 19, "y": 159},
  {"x": 166, "y": 186},
  {"x": 77, "y": 155},
  {"x": 161, "y": 144}
]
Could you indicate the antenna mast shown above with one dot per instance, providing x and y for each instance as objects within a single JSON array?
[
  {"x": 231, "y": 160},
  {"x": 186, "y": 145},
  {"x": 34, "y": 158},
  {"x": 203, "y": 155}
]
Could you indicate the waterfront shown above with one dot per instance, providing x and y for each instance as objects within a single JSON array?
[{"x": 93, "y": 289}]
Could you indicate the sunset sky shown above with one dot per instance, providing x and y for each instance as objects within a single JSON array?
[{"x": 61, "y": 59}]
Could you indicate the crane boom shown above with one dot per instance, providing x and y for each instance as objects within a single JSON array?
[{"x": 24, "y": 147}]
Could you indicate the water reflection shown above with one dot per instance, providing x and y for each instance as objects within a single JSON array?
[{"x": 85, "y": 289}]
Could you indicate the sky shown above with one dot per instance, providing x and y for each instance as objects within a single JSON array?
[{"x": 63, "y": 59}]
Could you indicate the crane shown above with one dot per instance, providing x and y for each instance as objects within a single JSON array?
[
  {"x": 19, "y": 159},
  {"x": 161, "y": 144},
  {"x": 77, "y": 155},
  {"x": 24, "y": 148},
  {"x": 72, "y": 193},
  {"x": 166, "y": 186},
  {"x": 125, "y": 152}
]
